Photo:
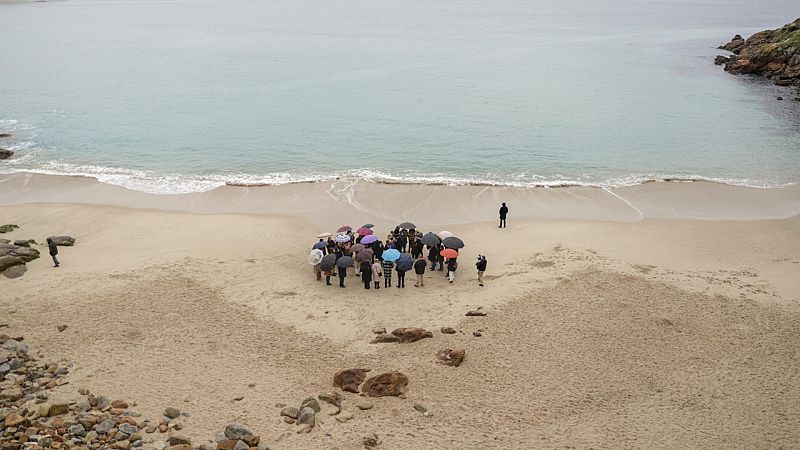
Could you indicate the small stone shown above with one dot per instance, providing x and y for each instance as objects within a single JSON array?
[
  {"x": 172, "y": 413},
  {"x": 159, "y": 445},
  {"x": 177, "y": 439},
  {"x": 390, "y": 383},
  {"x": 180, "y": 447},
  {"x": 779, "y": 98},
  {"x": 240, "y": 445},
  {"x": 90, "y": 436},
  {"x": 61, "y": 328},
  {"x": 177, "y": 426},
  {"x": 104, "y": 426},
  {"x": 45, "y": 441},
  {"x": 240, "y": 398},
  {"x": 120, "y": 436},
  {"x": 411, "y": 334},
  {"x": 334, "y": 398},
  {"x": 379, "y": 330},
  {"x": 344, "y": 416},
  {"x": 128, "y": 428},
  {"x": 370, "y": 440},
  {"x": 137, "y": 443},
  {"x": 236, "y": 431},
  {"x": 135, "y": 437},
  {"x": 364, "y": 404},
  {"x": 57, "y": 409},
  {"x": 227, "y": 444},
  {"x": 312, "y": 403},
  {"x": 77, "y": 430},
  {"x": 477, "y": 333},
  {"x": 423, "y": 409},
  {"x": 43, "y": 410},
  {"x": 103, "y": 403},
  {"x": 290, "y": 411},
  {"x": 451, "y": 357},
  {"x": 83, "y": 391},
  {"x": 14, "y": 420},
  {"x": 385, "y": 338},
  {"x": 119, "y": 404},
  {"x": 447, "y": 330},
  {"x": 251, "y": 385},
  {"x": 288, "y": 419},
  {"x": 477, "y": 313},
  {"x": 306, "y": 416},
  {"x": 123, "y": 444},
  {"x": 150, "y": 429},
  {"x": 250, "y": 440}
]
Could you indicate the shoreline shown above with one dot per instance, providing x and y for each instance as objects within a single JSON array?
[{"x": 331, "y": 203}]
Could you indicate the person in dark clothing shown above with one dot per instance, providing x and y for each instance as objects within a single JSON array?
[
  {"x": 53, "y": 251},
  {"x": 503, "y": 214},
  {"x": 377, "y": 247},
  {"x": 433, "y": 256},
  {"x": 402, "y": 241},
  {"x": 452, "y": 265},
  {"x": 481, "y": 266},
  {"x": 401, "y": 277},
  {"x": 328, "y": 275},
  {"x": 342, "y": 275},
  {"x": 366, "y": 274},
  {"x": 387, "y": 273},
  {"x": 416, "y": 249},
  {"x": 419, "y": 268},
  {"x": 331, "y": 246},
  {"x": 440, "y": 257}
]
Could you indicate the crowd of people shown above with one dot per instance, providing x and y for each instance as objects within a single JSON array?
[{"x": 375, "y": 261}]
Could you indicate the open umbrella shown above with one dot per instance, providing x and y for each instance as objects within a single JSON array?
[
  {"x": 320, "y": 245},
  {"x": 445, "y": 234},
  {"x": 405, "y": 262},
  {"x": 369, "y": 239},
  {"x": 391, "y": 255},
  {"x": 344, "y": 229},
  {"x": 365, "y": 255},
  {"x": 364, "y": 231},
  {"x": 327, "y": 262},
  {"x": 324, "y": 235},
  {"x": 341, "y": 238},
  {"x": 344, "y": 261},
  {"x": 407, "y": 226},
  {"x": 315, "y": 257},
  {"x": 367, "y": 225},
  {"x": 357, "y": 248},
  {"x": 453, "y": 242},
  {"x": 430, "y": 239},
  {"x": 449, "y": 253}
]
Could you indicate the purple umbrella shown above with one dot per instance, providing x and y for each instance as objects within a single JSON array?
[{"x": 369, "y": 239}]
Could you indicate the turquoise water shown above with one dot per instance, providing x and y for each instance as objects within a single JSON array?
[{"x": 177, "y": 96}]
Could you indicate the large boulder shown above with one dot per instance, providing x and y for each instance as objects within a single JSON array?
[
  {"x": 386, "y": 384},
  {"x": 24, "y": 253},
  {"x": 349, "y": 379},
  {"x": 411, "y": 334},
  {"x": 8, "y": 261},
  {"x": 66, "y": 241},
  {"x": 5, "y": 153}
]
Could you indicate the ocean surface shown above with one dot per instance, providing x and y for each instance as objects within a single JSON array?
[{"x": 179, "y": 96}]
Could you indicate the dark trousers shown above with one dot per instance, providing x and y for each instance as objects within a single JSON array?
[
  {"x": 342, "y": 274},
  {"x": 387, "y": 281},
  {"x": 401, "y": 279},
  {"x": 502, "y": 223},
  {"x": 377, "y": 285},
  {"x": 366, "y": 284},
  {"x": 55, "y": 260},
  {"x": 328, "y": 280}
]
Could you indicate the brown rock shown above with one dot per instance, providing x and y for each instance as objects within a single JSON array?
[
  {"x": 15, "y": 420},
  {"x": 349, "y": 379},
  {"x": 447, "y": 330},
  {"x": 389, "y": 383},
  {"x": 177, "y": 439},
  {"x": 250, "y": 440},
  {"x": 450, "y": 357},
  {"x": 227, "y": 444},
  {"x": 379, "y": 330},
  {"x": 411, "y": 334},
  {"x": 57, "y": 409},
  {"x": 384, "y": 338},
  {"x": 180, "y": 447},
  {"x": 477, "y": 312},
  {"x": 120, "y": 404}
]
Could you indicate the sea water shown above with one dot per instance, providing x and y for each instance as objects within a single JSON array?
[{"x": 178, "y": 96}]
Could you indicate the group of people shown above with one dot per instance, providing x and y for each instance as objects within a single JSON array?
[{"x": 373, "y": 268}]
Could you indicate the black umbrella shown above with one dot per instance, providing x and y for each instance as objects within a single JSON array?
[
  {"x": 453, "y": 242},
  {"x": 408, "y": 226},
  {"x": 431, "y": 239},
  {"x": 367, "y": 225},
  {"x": 344, "y": 261},
  {"x": 327, "y": 263},
  {"x": 405, "y": 262}
]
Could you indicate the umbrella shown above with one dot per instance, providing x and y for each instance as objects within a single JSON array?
[
  {"x": 315, "y": 257},
  {"x": 445, "y": 234},
  {"x": 407, "y": 226},
  {"x": 344, "y": 228},
  {"x": 344, "y": 261},
  {"x": 405, "y": 262},
  {"x": 341, "y": 238},
  {"x": 364, "y": 231},
  {"x": 364, "y": 255},
  {"x": 449, "y": 253},
  {"x": 327, "y": 262},
  {"x": 320, "y": 245},
  {"x": 357, "y": 248},
  {"x": 391, "y": 254},
  {"x": 367, "y": 225},
  {"x": 453, "y": 242},
  {"x": 430, "y": 239},
  {"x": 324, "y": 235},
  {"x": 369, "y": 239}
]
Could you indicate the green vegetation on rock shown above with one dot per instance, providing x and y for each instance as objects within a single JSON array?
[{"x": 8, "y": 228}]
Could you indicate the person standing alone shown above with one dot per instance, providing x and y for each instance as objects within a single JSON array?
[
  {"x": 481, "y": 266},
  {"x": 53, "y": 251},
  {"x": 419, "y": 268},
  {"x": 503, "y": 213}
]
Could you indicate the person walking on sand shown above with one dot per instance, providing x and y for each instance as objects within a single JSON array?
[
  {"x": 452, "y": 265},
  {"x": 366, "y": 274},
  {"x": 481, "y": 266},
  {"x": 503, "y": 214},
  {"x": 328, "y": 275},
  {"x": 419, "y": 268},
  {"x": 377, "y": 273},
  {"x": 318, "y": 271},
  {"x": 433, "y": 256},
  {"x": 53, "y": 251},
  {"x": 342, "y": 275},
  {"x": 387, "y": 273},
  {"x": 401, "y": 277}
]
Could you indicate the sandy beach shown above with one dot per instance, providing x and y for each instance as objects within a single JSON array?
[{"x": 664, "y": 315}]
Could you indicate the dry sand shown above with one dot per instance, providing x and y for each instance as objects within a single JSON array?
[{"x": 645, "y": 317}]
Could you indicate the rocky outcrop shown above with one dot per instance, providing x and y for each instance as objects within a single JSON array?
[
  {"x": 386, "y": 384},
  {"x": 5, "y": 153},
  {"x": 350, "y": 379},
  {"x": 66, "y": 241},
  {"x": 13, "y": 259},
  {"x": 773, "y": 54},
  {"x": 7, "y": 228}
]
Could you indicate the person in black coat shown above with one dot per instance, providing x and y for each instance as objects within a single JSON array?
[
  {"x": 53, "y": 251},
  {"x": 481, "y": 266},
  {"x": 366, "y": 274},
  {"x": 433, "y": 256},
  {"x": 452, "y": 265},
  {"x": 419, "y": 269},
  {"x": 503, "y": 214}
]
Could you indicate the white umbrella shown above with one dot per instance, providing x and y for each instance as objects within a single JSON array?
[
  {"x": 445, "y": 234},
  {"x": 315, "y": 257}
]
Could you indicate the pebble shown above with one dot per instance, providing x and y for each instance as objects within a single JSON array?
[
  {"x": 241, "y": 446},
  {"x": 306, "y": 416},
  {"x": 370, "y": 440},
  {"x": 61, "y": 328},
  {"x": 290, "y": 411},
  {"x": 423, "y": 409},
  {"x": 104, "y": 426},
  {"x": 312, "y": 403},
  {"x": 344, "y": 416},
  {"x": 159, "y": 445},
  {"x": 172, "y": 413},
  {"x": 177, "y": 439},
  {"x": 364, "y": 404},
  {"x": 236, "y": 431}
]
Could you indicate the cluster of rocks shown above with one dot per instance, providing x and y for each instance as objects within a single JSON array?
[
  {"x": 773, "y": 54},
  {"x": 401, "y": 335},
  {"x": 389, "y": 383},
  {"x": 234, "y": 437},
  {"x": 15, "y": 254}
]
